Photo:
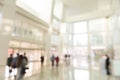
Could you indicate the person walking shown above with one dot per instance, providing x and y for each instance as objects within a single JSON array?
[
  {"x": 9, "y": 63},
  {"x": 14, "y": 64},
  {"x": 21, "y": 67},
  {"x": 57, "y": 61},
  {"x": 42, "y": 60},
  {"x": 52, "y": 59},
  {"x": 25, "y": 57},
  {"x": 107, "y": 65}
]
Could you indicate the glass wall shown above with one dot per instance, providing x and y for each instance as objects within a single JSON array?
[
  {"x": 90, "y": 40},
  {"x": 80, "y": 27},
  {"x": 97, "y": 39},
  {"x": 97, "y": 25},
  {"x": 80, "y": 44},
  {"x": 80, "y": 39}
]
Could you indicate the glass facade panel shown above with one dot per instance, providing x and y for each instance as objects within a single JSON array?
[
  {"x": 67, "y": 39},
  {"x": 97, "y": 38},
  {"x": 99, "y": 32},
  {"x": 97, "y": 25},
  {"x": 80, "y": 27},
  {"x": 81, "y": 39}
]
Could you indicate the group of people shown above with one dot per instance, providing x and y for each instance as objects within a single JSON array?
[
  {"x": 67, "y": 59},
  {"x": 55, "y": 59},
  {"x": 19, "y": 62}
]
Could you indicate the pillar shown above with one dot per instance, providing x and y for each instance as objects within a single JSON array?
[
  {"x": 8, "y": 12},
  {"x": 47, "y": 39},
  {"x": 116, "y": 38}
]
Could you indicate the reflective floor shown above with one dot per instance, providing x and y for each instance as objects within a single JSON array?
[
  {"x": 69, "y": 73},
  {"x": 64, "y": 72}
]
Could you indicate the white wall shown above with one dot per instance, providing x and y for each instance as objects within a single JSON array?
[{"x": 39, "y": 8}]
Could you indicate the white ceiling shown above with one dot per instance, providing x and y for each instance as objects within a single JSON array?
[
  {"x": 76, "y": 10},
  {"x": 79, "y": 7},
  {"x": 73, "y": 3}
]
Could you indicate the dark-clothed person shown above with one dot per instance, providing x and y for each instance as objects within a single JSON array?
[
  {"x": 9, "y": 62},
  {"x": 21, "y": 67},
  {"x": 107, "y": 65},
  {"x": 42, "y": 60}
]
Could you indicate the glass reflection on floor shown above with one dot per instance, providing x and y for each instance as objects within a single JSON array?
[{"x": 81, "y": 74}]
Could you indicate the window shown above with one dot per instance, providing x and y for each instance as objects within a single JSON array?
[
  {"x": 97, "y": 25},
  {"x": 80, "y": 27},
  {"x": 65, "y": 39},
  {"x": 81, "y": 40},
  {"x": 97, "y": 39}
]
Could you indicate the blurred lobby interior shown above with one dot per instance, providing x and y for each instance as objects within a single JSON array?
[{"x": 84, "y": 29}]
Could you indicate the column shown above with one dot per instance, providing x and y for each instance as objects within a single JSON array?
[
  {"x": 116, "y": 47},
  {"x": 5, "y": 33},
  {"x": 60, "y": 45},
  {"x": 48, "y": 45},
  {"x": 47, "y": 37},
  {"x": 108, "y": 37},
  {"x": 89, "y": 52},
  {"x": 116, "y": 38}
]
